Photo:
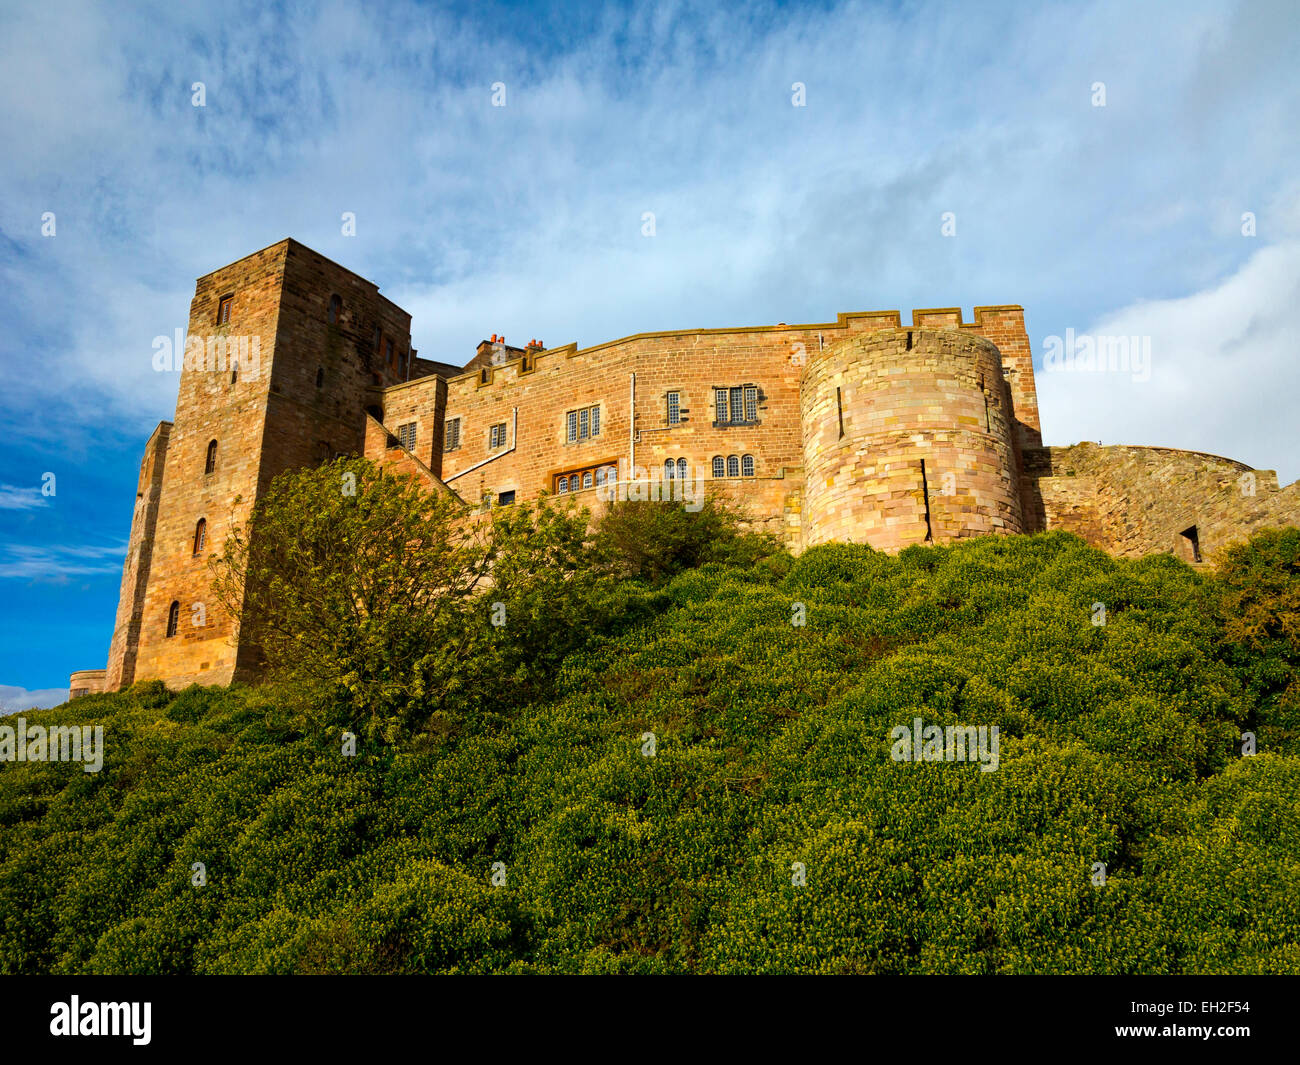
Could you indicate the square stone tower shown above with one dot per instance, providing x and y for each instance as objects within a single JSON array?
[{"x": 286, "y": 351}]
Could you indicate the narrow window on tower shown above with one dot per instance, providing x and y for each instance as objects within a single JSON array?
[
  {"x": 320, "y": 376},
  {"x": 200, "y": 536},
  {"x": 173, "y": 618},
  {"x": 223, "y": 309},
  {"x": 674, "y": 408},
  {"x": 839, "y": 410},
  {"x": 451, "y": 439},
  {"x": 210, "y": 463},
  {"x": 336, "y": 305},
  {"x": 925, "y": 496}
]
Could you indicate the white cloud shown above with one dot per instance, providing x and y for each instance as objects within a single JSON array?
[
  {"x": 14, "y": 700},
  {"x": 1224, "y": 374},
  {"x": 52, "y": 563},
  {"x": 18, "y": 497}
]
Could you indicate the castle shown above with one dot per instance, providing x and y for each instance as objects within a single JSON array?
[{"x": 863, "y": 429}]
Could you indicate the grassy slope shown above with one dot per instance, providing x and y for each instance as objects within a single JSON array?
[{"x": 1120, "y": 744}]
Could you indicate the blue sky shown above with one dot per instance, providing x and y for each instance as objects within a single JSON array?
[{"x": 526, "y": 220}]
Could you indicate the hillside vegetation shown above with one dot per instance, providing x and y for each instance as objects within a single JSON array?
[{"x": 1120, "y": 743}]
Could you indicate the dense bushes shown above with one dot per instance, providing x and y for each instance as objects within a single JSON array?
[{"x": 1120, "y": 744}]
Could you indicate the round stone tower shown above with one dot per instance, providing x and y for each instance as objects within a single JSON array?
[{"x": 908, "y": 438}]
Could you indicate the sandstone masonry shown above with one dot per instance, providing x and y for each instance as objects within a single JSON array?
[{"x": 859, "y": 430}]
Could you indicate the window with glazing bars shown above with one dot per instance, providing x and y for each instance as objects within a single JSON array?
[
  {"x": 581, "y": 424},
  {"x": 737, "y": 405}
]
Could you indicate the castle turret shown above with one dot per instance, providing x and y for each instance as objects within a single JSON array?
[{"x": 908, "y": 437}]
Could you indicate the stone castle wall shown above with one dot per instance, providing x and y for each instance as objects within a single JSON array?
[
  {"x": 862, "y": 429},
  {"x": 1134, "y": 501},
  {"x": 136, "y": 569},
  {"x": 908, "y": 438}
]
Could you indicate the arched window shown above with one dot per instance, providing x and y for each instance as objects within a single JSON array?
[
  {"x": 573, "y": 483},
  {"x": 336, "y": 305},
  {"x": 670, "y": 469},
  {"x": 719, "y": 466},
  {"x": 173, "y": 618},
  {"x": 747, "y": 466},
  {"x": 681, "y": 469},
  {"x": 600, "y": 476},
  {"x": 562, "y": 485},
  {"x": 586, "y": 479},
  {"x": 200, "y": 536},
  {"x": 210, "y": 463},
  {"x": 733, "y": 466}
]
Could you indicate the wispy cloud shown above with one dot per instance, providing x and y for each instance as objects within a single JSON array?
[
  {"x": 50, "y": 563},
  {"x": 14, "y": 699},
  {"x": 18, "y": 497}
]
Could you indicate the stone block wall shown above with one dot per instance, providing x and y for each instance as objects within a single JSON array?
[
  {"x": 1134, "y": 501},
  {"x": 908, "y": 438},
  {"x": 138, "y": 564}
]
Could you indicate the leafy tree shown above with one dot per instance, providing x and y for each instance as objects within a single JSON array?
[
  {"x": 653, "y": 539},
  {"x": 369, "y": 596}
]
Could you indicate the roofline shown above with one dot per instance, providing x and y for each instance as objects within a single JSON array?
[{"x": 841, "y": 322}]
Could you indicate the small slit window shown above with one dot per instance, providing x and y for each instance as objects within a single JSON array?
[
  {"x": 173, "y": 618},
  {"x": 336, "y": 305},
  {"x": 320, "y": 377},
  {"x": 200, "y": 536},
  {"x": 210, "y": 463}
]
